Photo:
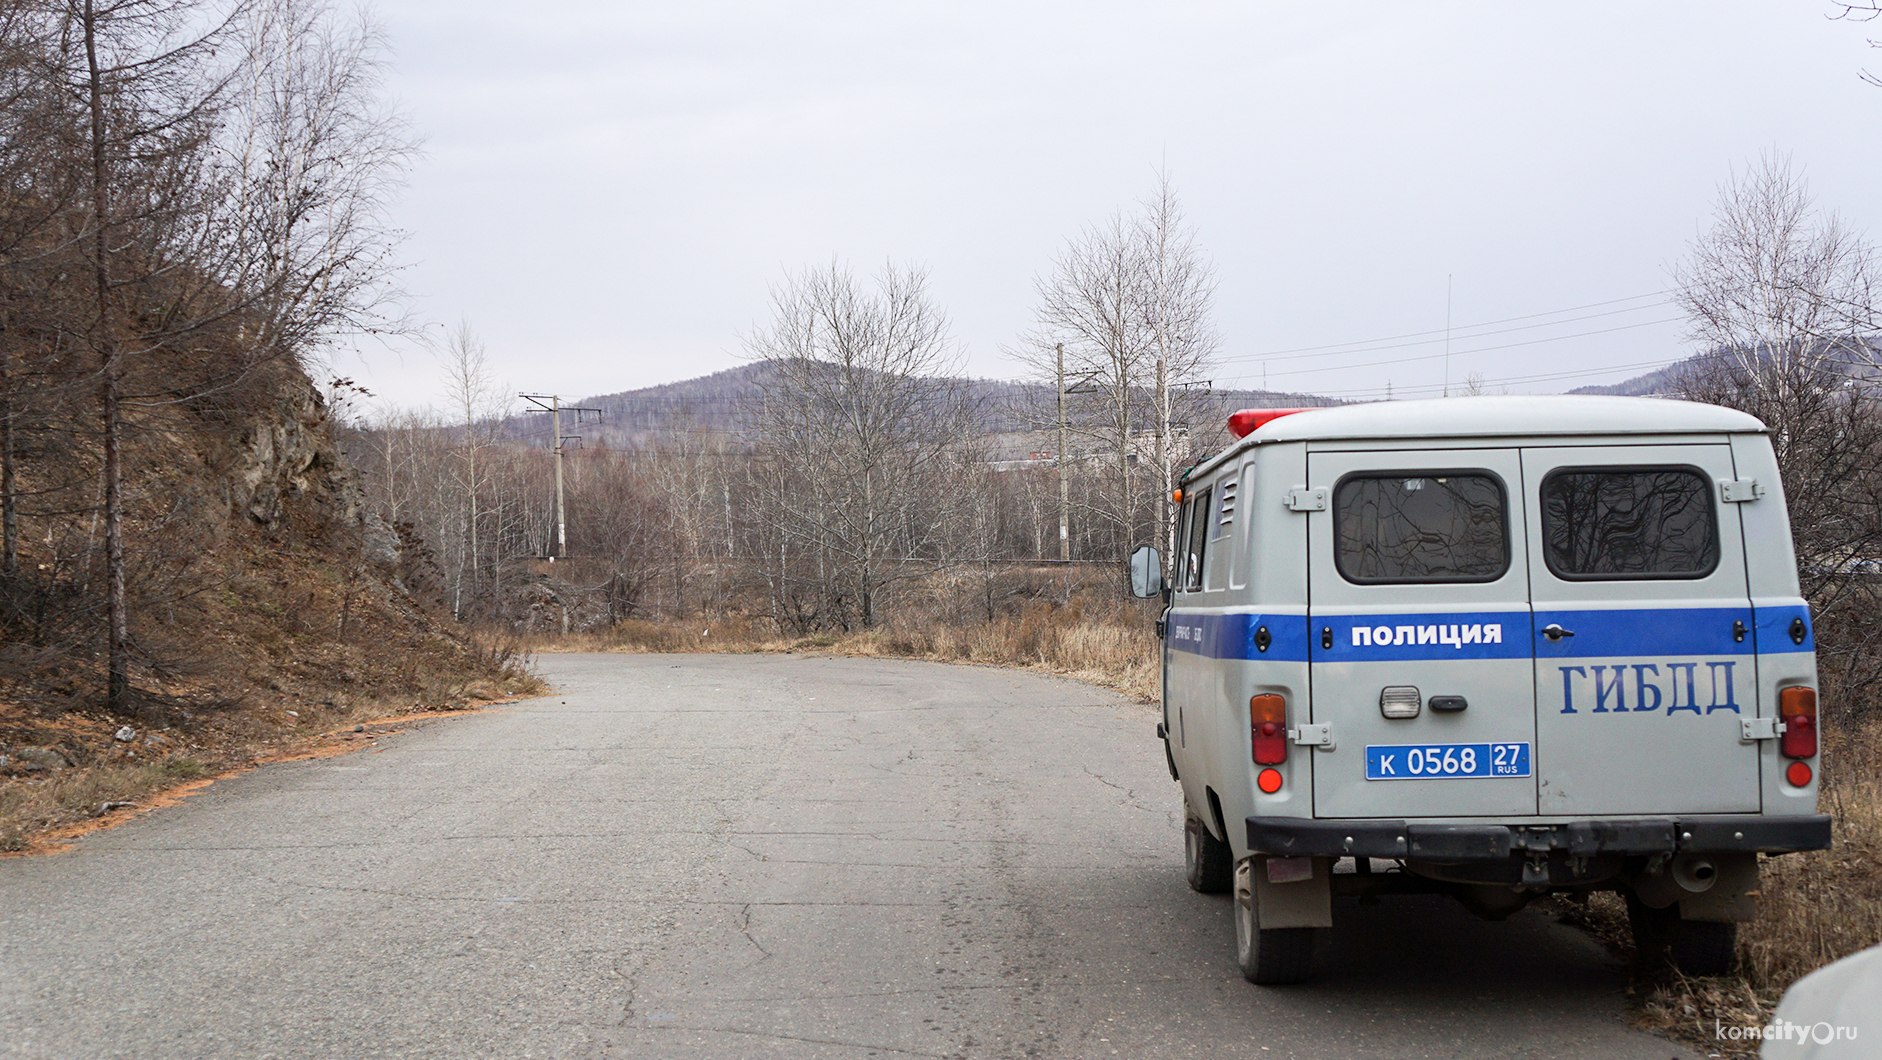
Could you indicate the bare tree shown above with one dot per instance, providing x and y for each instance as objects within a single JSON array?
[
  {"x": 617, "y": 528},
  {"x": 1183, "y": 340},
  {"x": 189, "y": 219},
  {"x": 317, "y": 153},
  {"x": 1775, "y": 277},
  {"x": 860, "y": 422},
  {"x": 691, "y": 468},
  {"x": 1779, "y": 297},
  {"x": 1129, "y": 301},
  {"x": 478, "y": 403},
  {"x": 1862, "y": 11}
]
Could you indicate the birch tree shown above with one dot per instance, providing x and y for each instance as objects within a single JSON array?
[
  {"x": 477, "y": 402},
  {"x": 1779, "y": 296},
  {"x": 863, "y": 418},
  {"x": 1129, "y": 301}
]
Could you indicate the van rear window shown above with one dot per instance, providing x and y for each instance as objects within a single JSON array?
[
  {"x": 1629, "y": 522},
  {"x": 1421, "y": 526}
]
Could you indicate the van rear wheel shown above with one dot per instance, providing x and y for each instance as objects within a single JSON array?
[
  {"x": 1704, "y": 947},
  {"x": 1208, "y": 864},
  {"x": 1663, "y": 939},
  {"x": 1267, "y": 956}
]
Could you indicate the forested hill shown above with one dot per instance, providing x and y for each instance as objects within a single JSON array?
[
  {"x": 1660, "y": 382},
  {"x": 714, "y": 402},
  {"x": 1666, "y": 382}
]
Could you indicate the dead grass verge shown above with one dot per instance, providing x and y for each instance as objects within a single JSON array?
[
  {"x": 64, "y": 773},
  {"x": 1104, "y": 644},
  {"x": 1813, "y": 908}
]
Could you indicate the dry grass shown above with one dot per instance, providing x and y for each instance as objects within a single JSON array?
[
  {"x": 284, "y": 701},
  {"x": 1107, "y": 643},
  {"x": 1814, "y": 908},
  {"x": 69, "y": 795},
  {"x": 1694, "y": 1011},
  {"x": 1825, "y": 904}
]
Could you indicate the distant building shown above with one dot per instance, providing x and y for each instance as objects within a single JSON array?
[{"x": 1020, "y": 450}]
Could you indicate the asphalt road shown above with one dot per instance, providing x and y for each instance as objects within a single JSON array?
[{"x": 726, "y": 856}]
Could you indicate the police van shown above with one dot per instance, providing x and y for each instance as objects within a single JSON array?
[{"x": 1489, "y": 647}]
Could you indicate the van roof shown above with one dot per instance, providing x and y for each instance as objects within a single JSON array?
[{"x": 1499, "y": 416}]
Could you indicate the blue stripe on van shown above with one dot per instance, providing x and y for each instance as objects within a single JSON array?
[
  {"x": 1645, "y": 631},
  {"x": 1451, "y": 635},
  {"x": 1465, "y": 635},
  {"x": 1232, "y": 636},
  {"x": 1774, "y": 629}
]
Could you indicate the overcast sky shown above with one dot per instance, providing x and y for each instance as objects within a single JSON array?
[{"x": 608, "y": 190}]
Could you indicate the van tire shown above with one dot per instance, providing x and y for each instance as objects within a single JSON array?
[
  {"x": 1268, "y": 956},
  {"x": 1665, "y": 940},
  {"x": 1705, "y": 947},
  {"x": 1208, "y": 864}
]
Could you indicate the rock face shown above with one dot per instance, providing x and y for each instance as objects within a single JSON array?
[
  {"x": 287, "y": 455},
  {"x": 288, "y": 452}
]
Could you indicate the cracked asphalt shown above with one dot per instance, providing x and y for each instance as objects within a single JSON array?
[{"x": 739, "y": 856}]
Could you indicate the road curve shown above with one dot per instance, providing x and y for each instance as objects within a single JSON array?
[{"x": 736, "y": 856}]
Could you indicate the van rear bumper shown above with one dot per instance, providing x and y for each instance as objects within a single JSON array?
[{"x": 1303, "y": 837}]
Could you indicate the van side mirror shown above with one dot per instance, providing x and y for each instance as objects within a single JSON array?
[{"x": 1146, "y": 572}]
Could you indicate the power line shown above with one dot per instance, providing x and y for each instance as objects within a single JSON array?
[
  {"x": 1440, "y": 337},
  {"x": 1300, "y": 351},
  {"x": 1478, "y": 335},
  {"x": 1537, "y": 378},
  {"x": 1480, "y": 349}
]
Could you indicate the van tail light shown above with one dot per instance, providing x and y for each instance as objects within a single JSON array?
[
  {"x": 1797, "y": 709},
  {"x": 1267, "y": 726}
]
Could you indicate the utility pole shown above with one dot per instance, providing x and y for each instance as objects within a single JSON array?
[
  {"x": 1084, "y": 384},
  {"x": 552, "y": 404},
  {"x": 1065, "y": 522}
]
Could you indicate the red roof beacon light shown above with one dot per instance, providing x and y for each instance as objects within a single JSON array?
[{"x": 1244, "y": 423}]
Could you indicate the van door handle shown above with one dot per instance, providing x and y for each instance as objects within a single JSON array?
[{"x": 1555, "y": 632}]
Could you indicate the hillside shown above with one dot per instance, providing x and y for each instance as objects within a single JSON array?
[
  {"x": 266, "y": 603},
  {"x": 1658, "y": 383},
  {"x": 1664, "y": 382},
  {"x": 634, "y": 418}
]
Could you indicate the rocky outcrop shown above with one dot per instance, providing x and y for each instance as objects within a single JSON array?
[{"x": 287, "y": 458}]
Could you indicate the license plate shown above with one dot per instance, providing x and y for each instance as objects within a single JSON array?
[{"x": 1446, "y": 761}]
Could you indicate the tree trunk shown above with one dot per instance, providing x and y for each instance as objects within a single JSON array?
[
  {"x": 9, "y": 503},
  {"x": 117, "y": 687}
]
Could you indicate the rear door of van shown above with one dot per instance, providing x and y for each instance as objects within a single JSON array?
[
  {"x": 1644, "y": 641},
  {"x": 1421, "y": 660}
]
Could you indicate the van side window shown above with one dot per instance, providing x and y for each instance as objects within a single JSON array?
[
  {"x": 1179, "y": 571},
  {"x": 1629, "y": 522},
  {"x": 1198, "y": 544},
  {"x": 1421, "y": 526}
]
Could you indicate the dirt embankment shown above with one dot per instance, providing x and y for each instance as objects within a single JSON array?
[{"x": 267, "y": 606}]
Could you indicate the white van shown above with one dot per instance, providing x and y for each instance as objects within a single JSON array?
[{"x": 1489, "y": 647}]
